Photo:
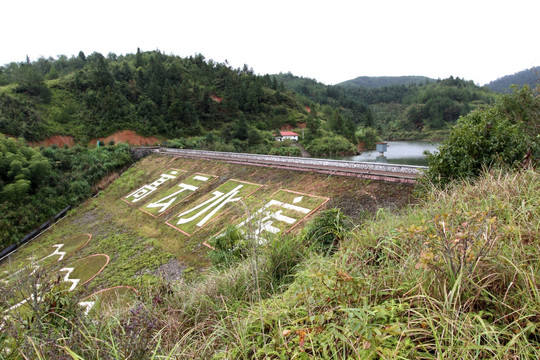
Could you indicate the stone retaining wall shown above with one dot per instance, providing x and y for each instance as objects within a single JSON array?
[{"x": 394, "y": 168}]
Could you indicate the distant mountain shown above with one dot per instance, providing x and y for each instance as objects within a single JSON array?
[
  {"x": 530, "y": 77},
  {"x": 371, "y": 82}
]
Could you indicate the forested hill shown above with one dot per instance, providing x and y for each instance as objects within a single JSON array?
[
  {"x": 370, "y": 82},
  {"x": 187, "y": 102},
  {"x": 413, "y": 111},
  {"x": 213, "y": 105},
  {"x": 150, "y": 92},
  {"x": 530, "y": 77},
  {"x": 199, "y": 102}
]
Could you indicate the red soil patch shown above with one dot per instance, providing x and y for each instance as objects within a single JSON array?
[
  {"x": 308, "y": 109},
  {"x": 58, "y": 140},
  {"x": 128, "y": 136},
  {"x": 216, "y": 98},
  {"x": 289, "y": 127}
]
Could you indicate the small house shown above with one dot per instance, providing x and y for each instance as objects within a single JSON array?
[{"x": 286, "y": 135}]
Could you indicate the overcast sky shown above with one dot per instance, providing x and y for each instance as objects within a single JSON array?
[{"x": 331, "y": 41}]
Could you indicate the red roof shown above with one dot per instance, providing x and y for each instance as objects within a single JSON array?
[{"x": 288, "y": 133}]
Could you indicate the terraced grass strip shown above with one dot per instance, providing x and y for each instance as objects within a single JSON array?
[
  {"x": 143, "y": 193},
  {"x": 21, "y": 267},
  {"x": 211, "y": 206},
  {"x": 84, "y": 270},
  {"x": 168, "y": 199},
  {"x": 284, "y": 211},
  {"x": 72, "y": 276},
  {"x": 115, "y": 297}
]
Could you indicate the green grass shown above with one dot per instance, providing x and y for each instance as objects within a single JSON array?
[
  {"x": 87, "y": 268},
  {"x": 117, "y": 298},
  {"x": 167, "y": 199},
  {"x": 187, "y": 315},
  {"x": 453, "y": 277},
  {"x": 133, "y": 237},
  {"x": 42, "y": 255},
  {"x": 371, "y": 300},
  {"x": 211, "y": 206}
]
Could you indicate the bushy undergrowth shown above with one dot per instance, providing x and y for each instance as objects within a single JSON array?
[
  {"x": 453, "y": 277},
  {"x": 506, "y": 134},
  {"x": 35, "y": 184}
]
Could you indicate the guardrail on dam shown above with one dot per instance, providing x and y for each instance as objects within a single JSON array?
[{"x": 380, "y": 171}]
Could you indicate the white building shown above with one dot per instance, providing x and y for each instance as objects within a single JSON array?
[{"x": 286, "y": 135}]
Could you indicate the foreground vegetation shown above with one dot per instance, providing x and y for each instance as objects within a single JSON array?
[
  {"x": 507, "y": 134},
  {"x": 453, "y": 277}
]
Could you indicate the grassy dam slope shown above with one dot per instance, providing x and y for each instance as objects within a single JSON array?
[{"x": 154, "y": 220}]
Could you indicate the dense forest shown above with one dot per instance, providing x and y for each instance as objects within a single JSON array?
[
  {"x": 406, "y": 111},
  {"x": 36, "y": 183},
  {"x": 196, "y": 101},
  {"x": 204, "y": 104}
]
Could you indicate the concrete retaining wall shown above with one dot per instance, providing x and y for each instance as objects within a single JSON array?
[{"x": 394, "y": 168}]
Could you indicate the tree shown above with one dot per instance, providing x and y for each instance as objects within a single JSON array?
[
  {"x": 349, "y": 131},
  {"x": 30, "y": 82},
  {"x": 313, "y": 125},
  {"x": 336, "y": 123},
  {"x": 100, "y": 72},
  {"x": 505, "y": 134},
  {"x": 240, "y": 128},
  {"x": 369, "y": 118},
  {"x": 139, "y": 59}
]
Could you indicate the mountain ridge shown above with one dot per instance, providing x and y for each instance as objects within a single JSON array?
[
  {"x": 530, "y": 77},
  {"x": 371, "y": 82}
]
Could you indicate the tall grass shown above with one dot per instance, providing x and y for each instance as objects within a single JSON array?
[
  {"x": 452, "y": 277},
  {"x": 475, "y": 295}
]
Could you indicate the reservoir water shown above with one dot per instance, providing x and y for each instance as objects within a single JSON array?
[{"x": 399, "y": 152}]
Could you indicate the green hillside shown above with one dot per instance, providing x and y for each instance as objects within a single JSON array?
[
  {"x": 157, "y": 221},
  {"x": 370, "y": 82},
  {"x": 190, "y": 259},
  {"x": 212, "y": 105},
  {"x": 452, "y": 274},
  {"x": 530, "y": 77},
  {"x": 120, "y": 213},
  {"x": 405, "y": 111}
]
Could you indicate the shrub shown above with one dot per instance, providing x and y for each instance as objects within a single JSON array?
[
  {"x": 331, "y": 146},
  {"x": 286, "y": 151},
  {"x": 175, "y": 143},
  {"x": 328, "y": 229},
  {"x": 369, "y": 137},
  {"x": 229, "y": 247},
  {"x": 506, "y": 134}
]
